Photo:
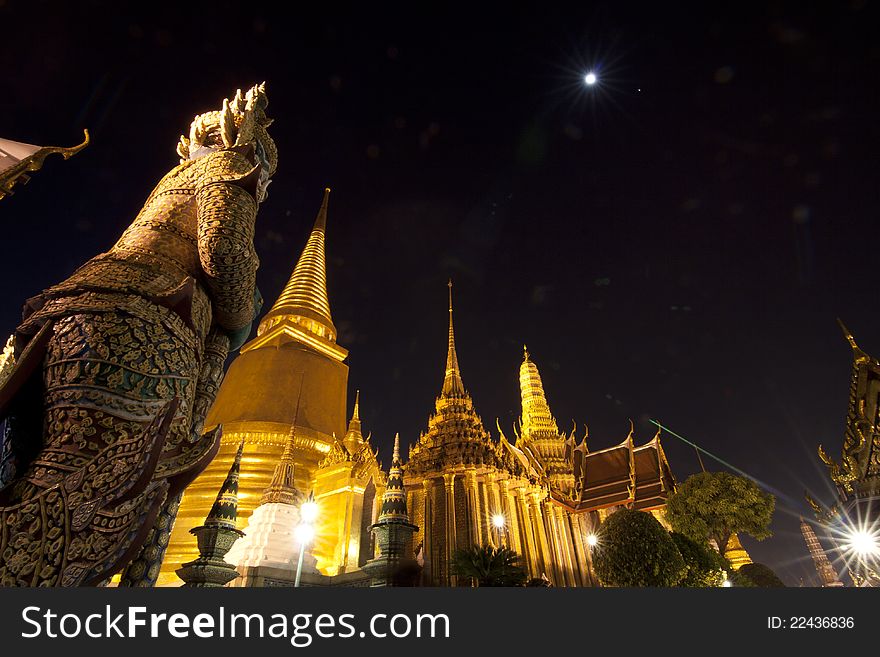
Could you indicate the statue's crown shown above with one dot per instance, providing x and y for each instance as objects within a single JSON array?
[{"x": 240, "y": 122}]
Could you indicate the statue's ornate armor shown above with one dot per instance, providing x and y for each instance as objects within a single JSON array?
[{"x": 115, "y": 369}]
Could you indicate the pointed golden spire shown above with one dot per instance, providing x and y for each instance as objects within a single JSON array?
[
  {"x": 537, "y": 420},
  {"x": 452, "y": 383},
  {"x": 353, "y": 436},
  {"x": 393, "y": 507},
  {"x": 395, "y": 455},
  {"x": 304, "y": 299},
  {"x": 282, "y": 487}
]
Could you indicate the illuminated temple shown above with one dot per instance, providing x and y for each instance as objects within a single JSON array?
[
  {"x": 285, "y": 399},
  {"x": 852, "y": 520}
]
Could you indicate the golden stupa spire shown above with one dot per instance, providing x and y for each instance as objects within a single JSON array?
[
  {"x": 537, "y": 420},
  {"x": 452, "y": 383},
  {"x": 304, "y": 299}
]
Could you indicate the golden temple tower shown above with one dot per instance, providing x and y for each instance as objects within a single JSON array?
[
  {"x": 348, "y": 486},
  {"x": 826, "y": 571},
  {"x": 539, "y": 433},
  {"x": 458, "y": 479},
  {"x": 736, "y": 554},
  {"x": 294, "y": 356}
]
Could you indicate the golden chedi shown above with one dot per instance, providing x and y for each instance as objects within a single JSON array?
[{"x": 294, "y": 357}]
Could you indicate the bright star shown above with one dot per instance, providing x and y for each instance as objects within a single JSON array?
[{"x": 590, "y": 78}]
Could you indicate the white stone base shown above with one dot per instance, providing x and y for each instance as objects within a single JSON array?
[{"x": 270, "y": 540}]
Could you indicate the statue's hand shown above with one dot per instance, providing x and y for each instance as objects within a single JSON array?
[
  {"x": 258, "y": 302},
  {"x": 239, "y": 337}
]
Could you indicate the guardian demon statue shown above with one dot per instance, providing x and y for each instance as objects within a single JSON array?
[{"x": 105, "y": 386}]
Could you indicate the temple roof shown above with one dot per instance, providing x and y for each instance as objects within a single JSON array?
[
  {"x": 455, "y": 435},
  {"x": 626, "y": 475},
  {"x": 857, "y": 475}
]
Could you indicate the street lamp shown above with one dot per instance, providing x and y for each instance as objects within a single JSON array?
[
  {"x": 499, "y": 522},
  {"x": 305, "y": 531},
  {"x": 592, "y": 540}
]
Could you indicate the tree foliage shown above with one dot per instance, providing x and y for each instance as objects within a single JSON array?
[
  {"x": 633, "y": 549},
  {"x": 705, "y": 567},
  {"x": 715, "y": 505},
  {"x": 488, "y": 566},
  {"x": 760, "y": 575}
]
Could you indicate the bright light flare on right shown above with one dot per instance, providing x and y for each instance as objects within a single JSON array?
[{"x": 863, "y": 543}]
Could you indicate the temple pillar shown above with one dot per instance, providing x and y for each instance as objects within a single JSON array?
[
  {"x": 473, "y": 498},
  {"x": 566, "y": 544},
  {"x": 513, "y": 521},
  {"x": 545, "y": 558},
  {"x": 449, "y": 484},
  {"x": 580, "y": 549}
]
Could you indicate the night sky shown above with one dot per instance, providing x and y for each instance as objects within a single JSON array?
[{"x": 674, "y": 242}]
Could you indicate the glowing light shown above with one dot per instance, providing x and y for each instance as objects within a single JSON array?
[
  {"x": 592, "y": 540},
  {"x": 727, "y": 583},
  {"x": 863, "y": 543},
  {"x": 304, "y": 533},
  {"x": 590, "y": 78},
  {"x": 498, "y": 521},
  {"x": 308, "y": 511}
]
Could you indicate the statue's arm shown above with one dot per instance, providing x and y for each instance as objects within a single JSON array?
[{"x": 227, "y": 210}]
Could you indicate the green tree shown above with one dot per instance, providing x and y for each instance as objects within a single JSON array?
[
  {"x": 488, "y": 566},
  {"x": 715, "y": 505},
  {"x": 705, "y": 567},
  {"x": 633, "y": 549},
  {"x": 760, "y": 575}
]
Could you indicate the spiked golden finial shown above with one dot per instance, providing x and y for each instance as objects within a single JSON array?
[
  {"x": 305, "y": 295},
  {"x": 525, "y": 353},
  {"x": 357, "y": 398},
  {"x": 395, "y": 457},
  {"x": 452, "y": 383}
]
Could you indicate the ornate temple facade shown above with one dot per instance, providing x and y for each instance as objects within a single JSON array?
[
  {"x": 856, "y": 511},
  {"x": 542, "y": 494}
]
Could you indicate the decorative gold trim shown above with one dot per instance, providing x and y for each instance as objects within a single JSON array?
[{"x": 34, "y": 162}]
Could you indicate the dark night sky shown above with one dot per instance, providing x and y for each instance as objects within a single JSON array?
[{"x": 674, "y": 243}]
